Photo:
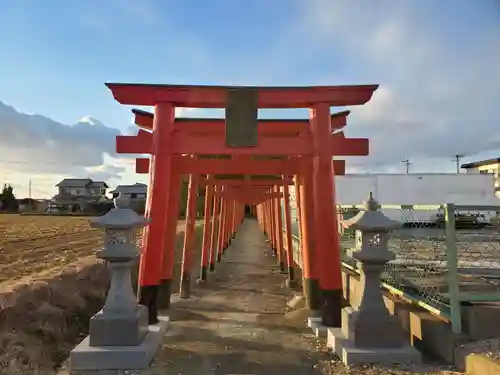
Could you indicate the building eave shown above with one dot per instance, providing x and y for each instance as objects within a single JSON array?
[{"x": 481, "y": 163}]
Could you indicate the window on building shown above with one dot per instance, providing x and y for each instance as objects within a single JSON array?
[{"x": 133, "y": 195}]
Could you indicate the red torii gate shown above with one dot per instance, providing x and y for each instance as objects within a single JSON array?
[
  {"x": 247, "y": 192},
  {"x": 296, "y": 165},
  {"x": 215, "y": 127},
  {"x": 310, "y": 144}
]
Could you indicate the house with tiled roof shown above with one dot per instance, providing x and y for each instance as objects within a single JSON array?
[{"x": 78, "y": 194}]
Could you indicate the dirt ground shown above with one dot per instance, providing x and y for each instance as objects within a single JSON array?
[
  {"x": 239, "y": 323},
  {"x": 33, "y": 247},
  {"x": 51, "y": 283}
]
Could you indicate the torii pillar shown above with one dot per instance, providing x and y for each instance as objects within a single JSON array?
[
  {"x": 150, "y": 269},
  {"x": 325, "y": 217}
]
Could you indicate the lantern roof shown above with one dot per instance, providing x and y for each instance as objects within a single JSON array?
[
  {"x": 371, "y": 219},
  {"x": 120, "y": 217}
]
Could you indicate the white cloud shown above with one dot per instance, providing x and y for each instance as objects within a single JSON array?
[
  {"x": 36, "y": 148},
  {"x": 438, "y": 95},
  {"x": 42, "y": 150}
]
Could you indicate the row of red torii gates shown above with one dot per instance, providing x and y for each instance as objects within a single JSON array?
[{"x": 242, "y": 162}]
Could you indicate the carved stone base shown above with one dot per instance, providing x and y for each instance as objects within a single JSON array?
[
  {"x": 351, "y": 355},
  {"x": 86, "y": 357},
  {"x": 118, "y": 330}
]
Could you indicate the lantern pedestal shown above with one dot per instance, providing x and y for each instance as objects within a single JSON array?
[
  {"x": 129, "y": 330},
  {"x": 88, "y": 357},
  {"x": 352, "y": 355}
]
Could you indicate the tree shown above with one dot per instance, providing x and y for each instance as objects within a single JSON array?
[{"x": 8, "y": 199}]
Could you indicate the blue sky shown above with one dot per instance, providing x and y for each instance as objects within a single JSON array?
[{"x": 435, "y": 60}]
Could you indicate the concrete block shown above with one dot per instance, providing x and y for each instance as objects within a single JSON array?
[
  {"x": 106, "y": 330},
  {"x": 86, "y": 357},
  {"x": 315, "y": 323},
  {"x": 434, "y": 335},
  {"x": 480, "y": 321},
  {"x": 476, "y": 364},
  {"x": 351, "y": 355}
]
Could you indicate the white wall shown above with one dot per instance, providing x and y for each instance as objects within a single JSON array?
[{"x": 417, "y": 189}]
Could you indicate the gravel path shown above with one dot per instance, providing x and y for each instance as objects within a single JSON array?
[{"x": 235, "y": 324}]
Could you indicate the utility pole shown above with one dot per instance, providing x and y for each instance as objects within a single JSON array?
[
  {"x": 29, "y": 190},
  {"x": 457, "y": 159},
  {"x": 407, "y": 164}
]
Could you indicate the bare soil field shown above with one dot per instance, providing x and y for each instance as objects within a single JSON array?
[
  {"x": 51, "y": 283},
  {"x": 33, "y": 247}
]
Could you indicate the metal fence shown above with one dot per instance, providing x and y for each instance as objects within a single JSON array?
[{"x": 446, "y": 255}]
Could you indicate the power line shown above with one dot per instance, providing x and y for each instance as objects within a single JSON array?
[
  {"x": 407, "y": 164},
  {"x": 457, "y": 159}
]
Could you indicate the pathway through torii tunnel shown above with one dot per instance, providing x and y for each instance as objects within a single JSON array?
[{"x": 247, "y": 167}]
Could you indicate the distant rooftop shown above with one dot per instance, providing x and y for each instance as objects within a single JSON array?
[
  {"x": 481, "y": 163},
  {"x": 81, "y": 182},
  {"x": 137, "y": 187}
]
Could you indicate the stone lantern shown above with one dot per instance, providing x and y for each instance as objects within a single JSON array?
[
  {"x": 119, "y": 336},
  {"x": 121, "y": 321},
  {"x": 369, "y": 333}
]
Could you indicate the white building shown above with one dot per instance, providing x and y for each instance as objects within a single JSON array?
[
  {"x": 424, "y": 192},
  {"x": 489, "y": 166},
  {"x": 135, "y": 191}
]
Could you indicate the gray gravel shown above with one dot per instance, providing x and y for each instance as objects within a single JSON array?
[{"x": 489, "y": 348}]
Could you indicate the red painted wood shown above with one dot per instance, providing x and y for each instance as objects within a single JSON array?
[
  {"x": 154, "y": 237},
  {"x": 172, "y": 214},
  {"x": 288, "y": 227},
  {"x": 207, "y": 226},
  {"x": 215, "y": 96},
  {"x": 249, "y": 198},
  {"x": 132, "y": 144},
  {"x": 249, "y": 183},
  {"x": 307, "y": 220},
  {"x": 215, "y": 126},
  {"x": 279, "y": 226},
  {"x": 214, "y": 236},
  {"x": 187, "y": 165},
  {"x": 327, "y": 239},
  {"x": 199, "y": 145},
  {"x": 189, "y": 232},
  {"x": 222, "y": 226}
]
